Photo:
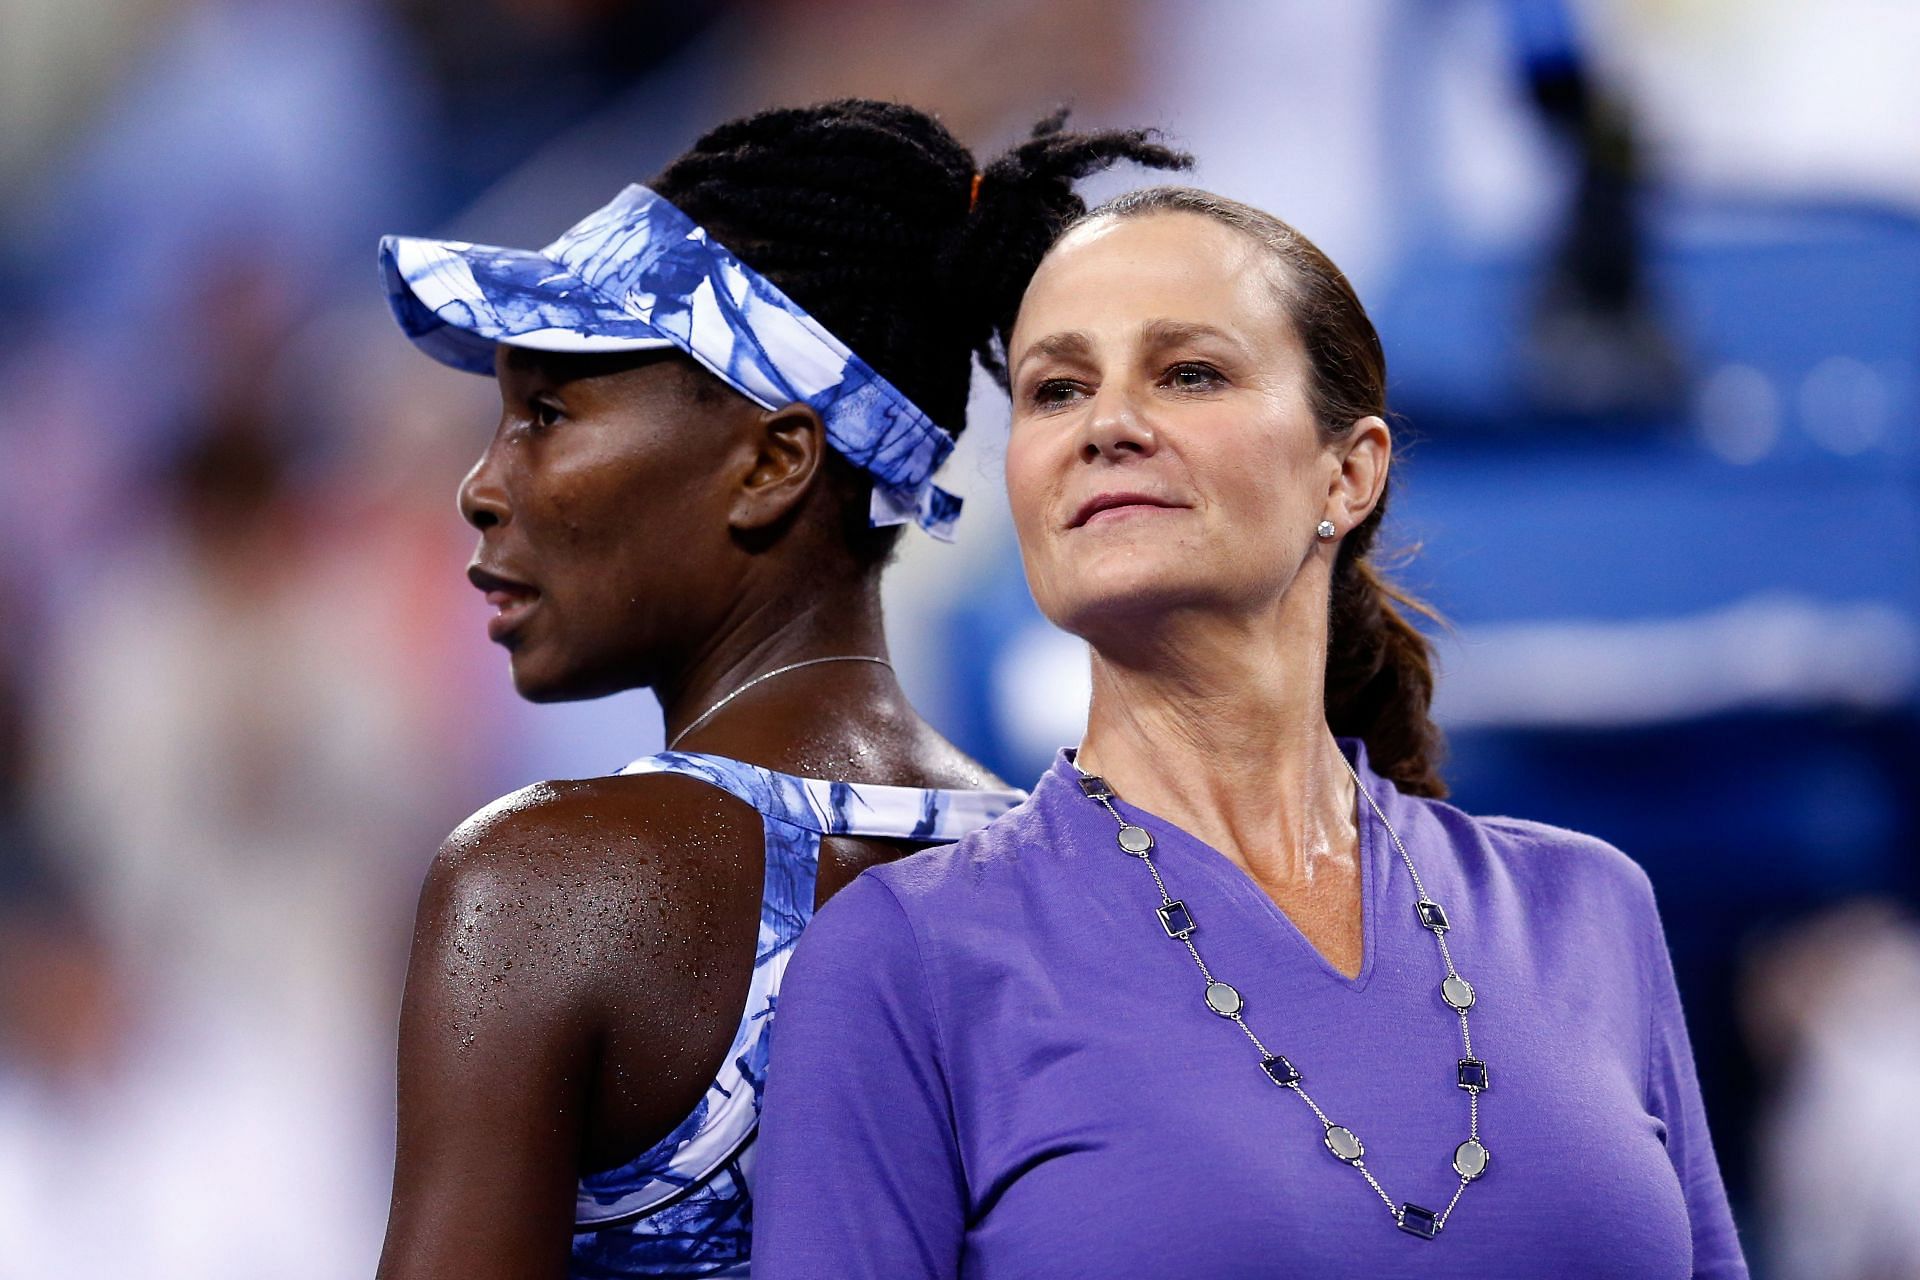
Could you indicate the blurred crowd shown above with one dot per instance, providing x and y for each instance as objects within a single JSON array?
[{"x": 246, "y": 688}]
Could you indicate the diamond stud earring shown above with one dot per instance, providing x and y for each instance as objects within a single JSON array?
[{"x": 1326, "y": 529}]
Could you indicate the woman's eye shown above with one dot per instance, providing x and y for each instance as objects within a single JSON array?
[
  {"x": 1193, "y": 377},
  {"x": 1054, "y": 391},
  {"x": 544, "y": 414}
]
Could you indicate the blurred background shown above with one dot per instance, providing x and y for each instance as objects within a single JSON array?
[{"x": 1649, "y": 277}]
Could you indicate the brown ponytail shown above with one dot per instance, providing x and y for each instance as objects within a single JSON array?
[
  {"x": 1380, "y": 678},
  {"x": 1379, "y": 684}
]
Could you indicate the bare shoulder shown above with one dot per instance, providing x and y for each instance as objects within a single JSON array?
[
  {"x": 619, "y": 827},
  {"x": 562, "y": 887}
]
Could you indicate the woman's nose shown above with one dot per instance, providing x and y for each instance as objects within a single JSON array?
[
  {"x": 1116, "y": 428},
  {"x": 483, "y": 499}
]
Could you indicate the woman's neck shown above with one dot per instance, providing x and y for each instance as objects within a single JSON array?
[
  {"x": 764, "y": 635},
  {"x": 1222, "y": 730}
]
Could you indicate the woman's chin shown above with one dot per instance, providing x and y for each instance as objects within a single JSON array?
[
  {"x": 1132, "y": 608},
  {"x": 539, "y": 681},
  {"x": 538, "y": 678}
]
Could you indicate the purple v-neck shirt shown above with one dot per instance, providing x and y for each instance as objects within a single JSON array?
[{"x": 991, "y": 1061}]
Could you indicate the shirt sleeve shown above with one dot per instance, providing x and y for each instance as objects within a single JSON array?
[
  {"x": 1673, "y": 1095},
  {"x": 859, "y": 1170}
]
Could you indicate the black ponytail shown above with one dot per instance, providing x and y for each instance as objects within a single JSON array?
[{"x": 1026, "y": 199}]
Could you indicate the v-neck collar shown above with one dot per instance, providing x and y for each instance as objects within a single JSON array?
[{"x": 1231, "y": 878}]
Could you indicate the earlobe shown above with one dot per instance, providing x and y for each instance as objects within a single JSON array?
[{"x": 785, "y": 450}]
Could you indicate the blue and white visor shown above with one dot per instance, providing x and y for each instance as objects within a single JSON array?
[{"x": 639, "y": 274}]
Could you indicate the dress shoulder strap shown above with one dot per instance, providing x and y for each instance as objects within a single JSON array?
[{"x": 927, "y": 814}]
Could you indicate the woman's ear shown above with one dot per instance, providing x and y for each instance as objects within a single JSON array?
[
  {"x": 785, "y": 450},
  {"x": 1365, "y": 455}
]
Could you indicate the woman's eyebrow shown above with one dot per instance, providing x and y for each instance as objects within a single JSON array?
[
  {"x": 1071, "y": 344},
  {"x": 1157, "y": 335}
]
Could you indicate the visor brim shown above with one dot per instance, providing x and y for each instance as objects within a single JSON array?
[{"x": 460, "y": 301}]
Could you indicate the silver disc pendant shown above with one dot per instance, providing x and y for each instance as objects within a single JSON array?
[
  {"x": 1458, "y": 992},
  {"x": 1137, "y": 841},
  {"x": 1223, "y": 999},
  {"x": 1344, "y": 1143},
  {"x": 1470, "y": 1159}
]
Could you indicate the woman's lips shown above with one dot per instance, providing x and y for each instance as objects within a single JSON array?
[
  {"x": 510, "y": 598},
  {"x": 1109, "y": 515},
  {"x": 1103, "y": 507},
  {"x": 511, "y": 608}
]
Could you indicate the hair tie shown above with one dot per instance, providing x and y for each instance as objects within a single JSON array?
[{"x": 973, "y": 196}]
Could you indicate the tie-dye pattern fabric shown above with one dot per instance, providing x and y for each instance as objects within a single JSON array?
[
  {"x": 640, "y": 274},
  {"x": 683, "y": 1208}
]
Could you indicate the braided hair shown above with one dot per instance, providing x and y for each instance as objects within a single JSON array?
[{"x": 874, "y": 218}]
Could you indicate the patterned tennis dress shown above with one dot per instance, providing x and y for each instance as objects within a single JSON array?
[{"x": 682, "y": 1207}]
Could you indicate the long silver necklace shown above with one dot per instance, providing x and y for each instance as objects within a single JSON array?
[
  {"x": 762, "y": 678},
  {"x": 1470, "y": 1158}
]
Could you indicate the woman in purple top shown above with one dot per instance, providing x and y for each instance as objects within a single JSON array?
[{"x": 1235, "y": 993}]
